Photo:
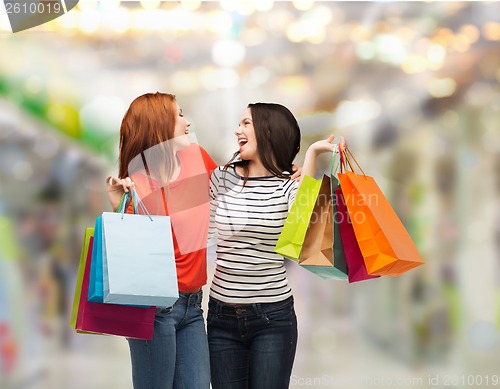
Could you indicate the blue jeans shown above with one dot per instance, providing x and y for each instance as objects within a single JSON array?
[
  {"x": 177, "y": 356},
  {"x": 252, "y": 346}
]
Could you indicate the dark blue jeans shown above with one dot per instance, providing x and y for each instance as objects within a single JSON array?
[
  {"x": 177, "y": 356},
  {"x": 252, "y": 346}
]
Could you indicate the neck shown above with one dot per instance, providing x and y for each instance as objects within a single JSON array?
[
  {"x": 257, "y": 169},
  {"x": 176, "y": 168}
]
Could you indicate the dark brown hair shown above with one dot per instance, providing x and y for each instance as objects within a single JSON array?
[
  {"x": 149, "y": 121},
  {"x": 278, "y": 139}
]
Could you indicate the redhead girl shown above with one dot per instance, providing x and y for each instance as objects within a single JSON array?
[{"x": 158, "y": 161}]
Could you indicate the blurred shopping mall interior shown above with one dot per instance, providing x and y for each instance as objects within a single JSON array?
[{"x": 413, "y": 87}]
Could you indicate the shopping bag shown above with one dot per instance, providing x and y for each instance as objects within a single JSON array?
[
  {"x": 355, "y": 262},
  {"x": 338, "y": 248},
  {"x": 317, "y": 253},
  {"x": 340, "y": 261},
  {"x": 138, "y": 259},
  {"x": 294, "y": 230},
  {"x": 111, "y": 319},
  {"x": 89, "y": 232},
  {"x": 386, "y": 246},
  {"x": 95, "y": 282}
]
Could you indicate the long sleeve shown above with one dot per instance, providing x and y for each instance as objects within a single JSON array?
[
  {"x": 291, "y": 188},
  {"x": 214, "y": 190}
]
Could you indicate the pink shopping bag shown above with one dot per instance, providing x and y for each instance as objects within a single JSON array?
[
  {"x": 111, "y": 319},
  {"x": 356, "y": 268}
]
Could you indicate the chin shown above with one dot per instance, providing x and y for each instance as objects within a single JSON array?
[
  {"x": 181, "y": 142},
  {"x": 249, "y": 155}
]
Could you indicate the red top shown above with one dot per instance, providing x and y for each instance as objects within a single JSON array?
[{"x": 186, "y": 200}]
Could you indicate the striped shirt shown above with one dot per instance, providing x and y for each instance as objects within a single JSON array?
[{"x": 248, "y": 220}]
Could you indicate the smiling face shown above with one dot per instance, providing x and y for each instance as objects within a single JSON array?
[
  {"x": 181, "y": 124},
  {"x": 181, "y": 130},
  {"x": 246, "y": 137}
]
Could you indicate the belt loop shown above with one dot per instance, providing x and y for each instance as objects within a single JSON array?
[{"x": 257, "y": 308}]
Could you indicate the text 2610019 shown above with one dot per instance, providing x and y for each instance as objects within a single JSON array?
[{"x": 34, "y": 8}]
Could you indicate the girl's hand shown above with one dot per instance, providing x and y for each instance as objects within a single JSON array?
[
  {"x": 116, "y": 187},
  {"x": 322, "y": 146},
  {"x": 317, "y": 148},
  {"x": 297, "y": 173},
  {"x": 343, "y": 142}
]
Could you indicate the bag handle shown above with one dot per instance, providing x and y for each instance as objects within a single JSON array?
[
  {"x": 135, "y": 202},
  {"x": 141, "y": 204},
  {"x": 335, "y": 168},
  {"x": 346, "y": 155},
  {"x": 123, "y": 204},
  {"x": 342, "y": 159}
]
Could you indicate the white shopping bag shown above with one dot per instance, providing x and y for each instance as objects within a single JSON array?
[{"x": 138, "y": 260}]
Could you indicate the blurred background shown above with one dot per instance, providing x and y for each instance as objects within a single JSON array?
[{"x": 413, "y": 86}]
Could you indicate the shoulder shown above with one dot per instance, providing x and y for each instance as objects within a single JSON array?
[
  {"x": 195, "y": 151},
  {"x": 196, "y": 148},
  {"x": 219, "y": 171},
  {"x": 209, "y": 162},
  {"x": 226, "y": 175},
  {"x": 290, "y": 186}
]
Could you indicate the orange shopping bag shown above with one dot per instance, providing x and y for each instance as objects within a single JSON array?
[{"x": 386, "y": 246}]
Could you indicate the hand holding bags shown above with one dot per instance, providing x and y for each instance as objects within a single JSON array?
[
  {"x": 386, "y": 246},
  {"x": 366, "y": 233},
  {"x": 138, "y": 259}
]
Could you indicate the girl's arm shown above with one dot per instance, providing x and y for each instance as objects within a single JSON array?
[
  {"x": 212, "y": 228},
  {"x": 317, "y": 148}
]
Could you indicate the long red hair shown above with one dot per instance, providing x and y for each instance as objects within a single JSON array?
[{"x": 149, "y": 121}]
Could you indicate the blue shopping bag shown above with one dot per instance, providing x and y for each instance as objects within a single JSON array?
[
  {"x": 95, "y": 293},
  {"x": 95, "y": 283},
  {"x": 138, "y": 262}
]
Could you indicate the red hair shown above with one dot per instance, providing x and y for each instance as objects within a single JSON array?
[{"x": 149, "y": 121}]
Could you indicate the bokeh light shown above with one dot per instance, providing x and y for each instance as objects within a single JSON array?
[{"x": 412, "y": 86}]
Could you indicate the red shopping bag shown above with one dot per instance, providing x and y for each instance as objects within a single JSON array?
[
  {"x": 111, "y": 319},
  {"x": 356, "y": 269}
]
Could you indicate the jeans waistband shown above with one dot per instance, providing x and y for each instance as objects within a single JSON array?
[
  {"x": 190, "y": 298},
  {"x": 221, "y": 308},
  {"x": 185, "y": 299}
]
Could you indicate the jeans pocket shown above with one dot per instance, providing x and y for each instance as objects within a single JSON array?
[
  {"x": 281, "y": 316},
  {"x": 164, "y": 311}
]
